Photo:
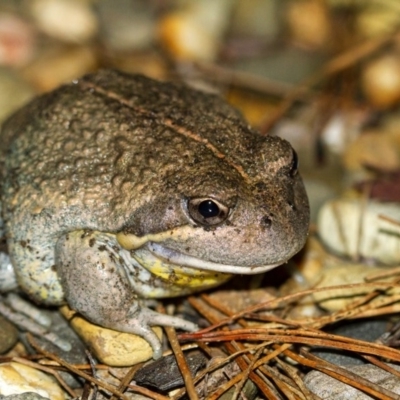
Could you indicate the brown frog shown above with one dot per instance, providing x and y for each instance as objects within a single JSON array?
[{"x": 118, "y": 187}]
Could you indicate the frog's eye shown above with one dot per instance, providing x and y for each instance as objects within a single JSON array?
[
  {"x": 294, "y": 165},
  {"x": 207, "y": 211}
]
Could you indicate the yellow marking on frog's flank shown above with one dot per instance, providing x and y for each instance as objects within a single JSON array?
[{"x": 181, "y": 276}]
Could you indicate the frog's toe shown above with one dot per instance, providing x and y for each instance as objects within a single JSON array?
[
  {"x": 140, "y": 324},
  {"x": 151, "y": 317}
]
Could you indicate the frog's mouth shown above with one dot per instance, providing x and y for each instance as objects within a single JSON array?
[
  {"x": 150, "y": 251},
  {"x": 176, "y": 258}
]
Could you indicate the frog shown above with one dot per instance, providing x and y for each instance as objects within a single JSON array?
[{"x": 117, "y": 188}]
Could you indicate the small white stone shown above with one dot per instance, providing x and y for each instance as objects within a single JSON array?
[
  {"x": 68, "y": 20},
  {"x": 195, "y": 32},
  {"x": 18, "y": 378},
  {"x": 336, "y": 275}
]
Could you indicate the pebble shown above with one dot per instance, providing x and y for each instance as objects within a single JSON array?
[
  {"x": 309, "y": 23},
  {"x": 194, "y": 32},
  {"x": 379, "y": 149},
  {"x": 72, "y": 21},
  {"x": 352, "y": 227},
  {"x": 368, "y": 330},
  {"x": 302, "y": 277},
  {"x": 329, "y": 388},
  {"x": 337, "y": 299},
  {"x": 8, "y": 335},
  {"x": 126, "y": 25},
  {"x": 256, "y": 18},
  {"x": 18, "y": 378},
  {"x": 380, "y": 81},
  {"x": 111, "y": 347},
  {"x": 17, "y": 40}
]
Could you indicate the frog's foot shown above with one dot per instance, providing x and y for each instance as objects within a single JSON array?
[
  {"x": 93, "y": 272},
  {"x": 141, "y": 321}
]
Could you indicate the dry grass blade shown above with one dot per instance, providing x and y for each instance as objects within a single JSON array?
[
  {"x": 246, "y": 374},
  {"x": 147, "y": 392},
  {"x": 281, "y": 301},
  {"x": 382, "y": 365},
  {"x": 180, "y": 359},
  {"x": 339, "y": 63},
  {"x": 293, "y": 373},
  {"x": 127, "y": 379},
  {"x": 283, "y": 334},
  {"x": 299, "y": 336}
]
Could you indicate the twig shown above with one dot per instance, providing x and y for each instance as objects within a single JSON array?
[
  {"x": 180, "y": 359},
  {"x": 279, "y": 302},
  {"x": 76, "y": 371},
  {"x": 347, "y": 377},
  {"x": 127, "y": 379}
]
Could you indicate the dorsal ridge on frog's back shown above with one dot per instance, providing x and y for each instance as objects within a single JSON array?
[
  {"x": 168, "y": 122},
  {"x": 126, "y": 187},
  {"x": 204, "y": 131}
]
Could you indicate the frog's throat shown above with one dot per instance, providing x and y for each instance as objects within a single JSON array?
[{"x": 152, "y": 244}]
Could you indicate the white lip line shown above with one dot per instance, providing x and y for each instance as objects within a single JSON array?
[{"x": 174, "y": 257}]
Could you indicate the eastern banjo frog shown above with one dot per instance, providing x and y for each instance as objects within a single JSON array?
[{"x": 118, "y": 187}]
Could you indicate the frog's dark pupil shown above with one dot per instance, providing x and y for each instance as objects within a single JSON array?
[{"x": 208, "y": 209}]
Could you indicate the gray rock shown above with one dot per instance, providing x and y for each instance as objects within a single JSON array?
[
  {"x": 368, "y": 330},
  {"x": 329, "y": 388}
]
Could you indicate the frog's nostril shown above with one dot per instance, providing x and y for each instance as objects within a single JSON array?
[{"x": 266, "y": 221}]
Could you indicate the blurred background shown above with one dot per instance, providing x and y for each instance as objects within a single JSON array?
[{"x": 324, "y": 74}]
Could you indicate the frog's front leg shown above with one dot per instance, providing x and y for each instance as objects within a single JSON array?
[{"x": 93, "y": 271}]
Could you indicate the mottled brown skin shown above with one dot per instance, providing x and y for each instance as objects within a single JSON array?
[{"x": 115, "y": 153}]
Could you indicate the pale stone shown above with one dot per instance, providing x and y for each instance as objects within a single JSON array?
[
  {"x": 302, "y": 276},
  {"x": 338, "y": 299},
  {"x": 68, "y": 20},
  {"x": 327, "y": 387},
  {"x": 309, "y": 23},
  {"x": 353, "y": 227},
  {"x": 117, "y": 349},
  {"x": 194, "y": 32},
  {"x": 381, "y": 80},
  {"x": 376, "y": 148},
  {"x": 18, "y": 378}
]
